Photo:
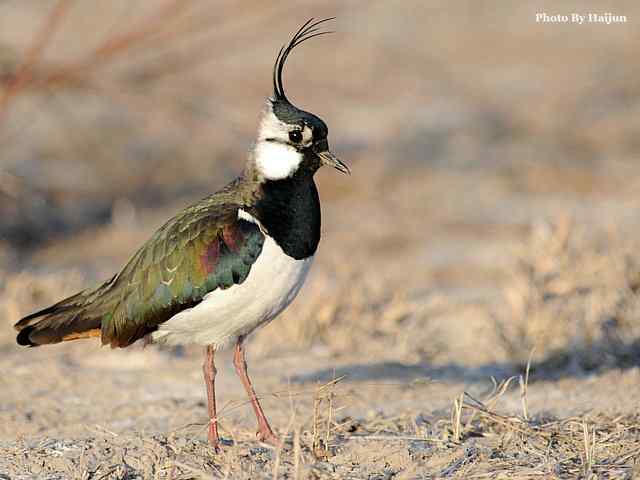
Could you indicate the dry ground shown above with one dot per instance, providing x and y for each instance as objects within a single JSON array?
[{"x": 473, "y": 309}]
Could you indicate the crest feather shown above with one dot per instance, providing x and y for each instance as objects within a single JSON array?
[{"x": 306, "y": 32}]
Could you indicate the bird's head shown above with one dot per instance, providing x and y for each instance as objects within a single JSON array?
[{"x": 290, "y": 139}]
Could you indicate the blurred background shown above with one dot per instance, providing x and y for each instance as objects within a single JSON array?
[{"x": 492, "y": 213}]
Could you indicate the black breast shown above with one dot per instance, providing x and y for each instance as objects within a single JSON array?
[{"x": 289, "y": 209}]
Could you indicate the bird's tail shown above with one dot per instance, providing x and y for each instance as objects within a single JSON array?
[{"x": 70, "y": 319}]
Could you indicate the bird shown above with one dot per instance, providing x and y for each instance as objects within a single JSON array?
[{"x": 223, "y": 267}]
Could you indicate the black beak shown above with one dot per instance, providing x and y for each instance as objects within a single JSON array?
[{"x": 328, "y": 158}]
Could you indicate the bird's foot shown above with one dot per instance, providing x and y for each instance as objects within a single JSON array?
[
  {"x": 214, "y": 439},
  {"x": 215, "y": 446},
  {"x": 266, "y": 435}
]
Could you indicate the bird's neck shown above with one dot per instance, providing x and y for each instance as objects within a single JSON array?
[{"x": 289, "y": 210}]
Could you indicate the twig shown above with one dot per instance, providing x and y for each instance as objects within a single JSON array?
[
  {"x": 400, "y": 438},
  {"x": 42, "y": 39}
]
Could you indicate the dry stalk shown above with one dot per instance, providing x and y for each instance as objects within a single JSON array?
[
  {"x": 329, "y": 418},
  {"x": 276, "y": 463},
  {"x": 321, "y": 440},
  {"x": 297, "y": 453},
  {"x": 499, "y": 389},
  {"x": 524, "y": 384},
  {"x": 510, "y": 422},
  {"x": 317, "y": 400},
  {"x": 589, "y": 449},
  {"x": 456, "y": 417}
]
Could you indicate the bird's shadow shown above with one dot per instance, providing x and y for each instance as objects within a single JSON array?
[
  {"x": 576, "y": 363},
  {"x": 390, "y": 370}
]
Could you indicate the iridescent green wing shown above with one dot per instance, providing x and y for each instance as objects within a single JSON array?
[{"x": 204, "y": 248}]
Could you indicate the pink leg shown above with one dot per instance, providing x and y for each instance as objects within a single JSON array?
[
  {"x": 209, "y": 370},
  {"x": 264, "y": 434}
]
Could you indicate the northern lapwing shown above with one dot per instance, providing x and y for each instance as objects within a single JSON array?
[{"x": 222, "y": 267}]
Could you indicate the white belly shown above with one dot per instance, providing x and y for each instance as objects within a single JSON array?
[{"x": 223, "y": 315}]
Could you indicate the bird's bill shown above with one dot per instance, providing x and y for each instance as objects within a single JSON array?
[{"x": 328, "y": 158}]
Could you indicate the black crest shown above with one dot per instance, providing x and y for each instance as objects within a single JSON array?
[{"x": 309, "y": 30}]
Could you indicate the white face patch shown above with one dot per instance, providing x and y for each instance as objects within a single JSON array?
[
  {"x": 275, "y": 160},
  {"x": 275, "y": 157}
]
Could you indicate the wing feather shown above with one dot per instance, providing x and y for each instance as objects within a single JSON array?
[{"x": 198, "y": 251}]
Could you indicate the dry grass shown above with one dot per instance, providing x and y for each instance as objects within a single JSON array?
[
  {"x": 588, "y": 446},
  {"x": 497, "y": 445},
  {"x": 572, "y": 300}
]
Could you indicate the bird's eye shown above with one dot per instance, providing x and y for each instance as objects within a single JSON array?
[{"x": 295, "y": 136}]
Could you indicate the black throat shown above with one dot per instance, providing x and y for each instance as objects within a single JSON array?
[{"x": 289, "y": 210}]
